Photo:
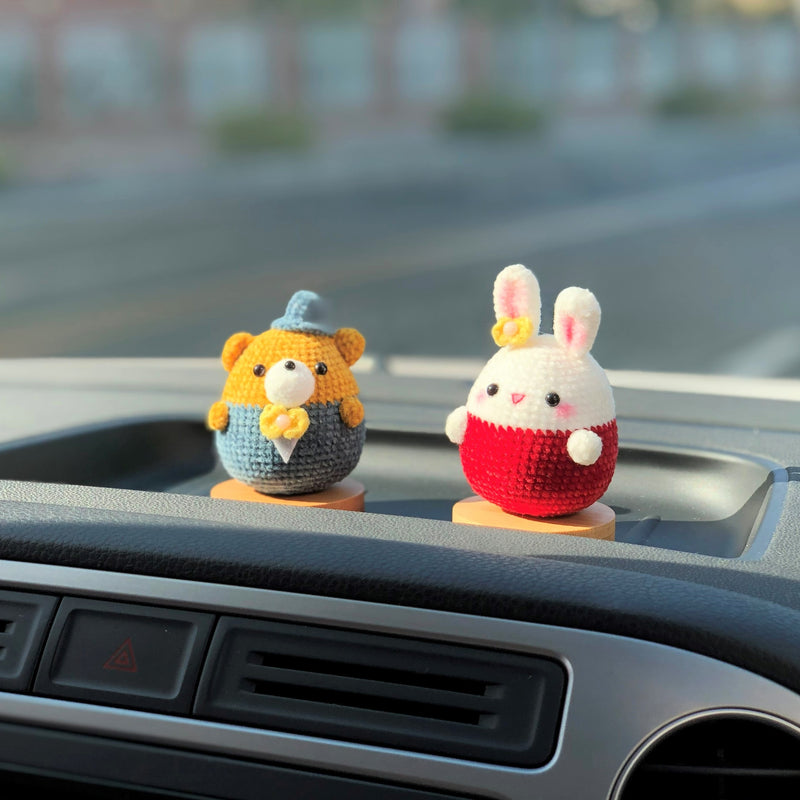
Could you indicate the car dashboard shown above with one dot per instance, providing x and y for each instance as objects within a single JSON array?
[{"x": 160, "y": 642}]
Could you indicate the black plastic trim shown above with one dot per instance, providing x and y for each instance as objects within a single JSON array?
[{"x": 95, "y": 762}]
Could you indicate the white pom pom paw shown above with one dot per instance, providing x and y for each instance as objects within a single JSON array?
[
  {"x": 584, "y": 447},
  {"x": 456, "y": 425}
]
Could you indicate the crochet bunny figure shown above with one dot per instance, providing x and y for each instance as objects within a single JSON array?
[
  {"x": 538, "y": 435},
  {"x": 290, "y": 421}
]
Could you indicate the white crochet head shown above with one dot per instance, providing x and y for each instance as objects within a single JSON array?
[{"x": 542, "y": 382}]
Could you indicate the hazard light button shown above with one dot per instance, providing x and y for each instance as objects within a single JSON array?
[{"x": 124, "y": 655}]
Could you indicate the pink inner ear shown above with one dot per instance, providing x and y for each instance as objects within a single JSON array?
[
  {"x": 569, "y": 327},
  {"x": 574, "y": 333},
  {"x": 508, "y": 303}
]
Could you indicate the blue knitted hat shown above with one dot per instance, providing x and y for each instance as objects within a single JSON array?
[{"x": 306, "y": 312}]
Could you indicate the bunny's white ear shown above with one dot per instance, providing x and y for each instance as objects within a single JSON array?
[
  {"x": 517, "y": 306},
  {"x": 576, "y": 318}
]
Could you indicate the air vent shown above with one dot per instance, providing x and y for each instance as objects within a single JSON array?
[
  {"x": 381, "y": 690},
  {"x": 720, "y": 758},
  {"x": 23, "y": 622}
]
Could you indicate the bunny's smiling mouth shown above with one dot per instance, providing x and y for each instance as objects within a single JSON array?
[{"x": 517, "y": 398}]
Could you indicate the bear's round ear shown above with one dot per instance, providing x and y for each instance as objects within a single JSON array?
[
  {"x": 576, "y": 319},
  {"x": 517, "y": 306},
  {"x": 234, "y": 347},
  {"x": 350, "y": 343}
]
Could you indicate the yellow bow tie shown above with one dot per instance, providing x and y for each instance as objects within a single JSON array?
[{"x": 280, "y": 422}]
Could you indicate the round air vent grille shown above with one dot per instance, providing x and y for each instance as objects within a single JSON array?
[{"x": 721, "y": 757}]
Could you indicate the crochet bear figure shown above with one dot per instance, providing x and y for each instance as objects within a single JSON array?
[
  {"x": 290, "y": 421},
  {"x": 538, "y": 435}
]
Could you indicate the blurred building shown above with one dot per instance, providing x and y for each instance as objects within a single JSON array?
[{"x": 96, "y": 64}]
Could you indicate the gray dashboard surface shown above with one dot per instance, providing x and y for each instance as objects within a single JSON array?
[
  {"x": 685, "y": 499},
  {"x": 739, "y": 603}
]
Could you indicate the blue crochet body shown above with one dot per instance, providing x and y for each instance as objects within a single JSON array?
[{"x": 325, "y": 454}]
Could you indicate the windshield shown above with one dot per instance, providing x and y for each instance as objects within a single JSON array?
[{"x": 172, "y": 170}]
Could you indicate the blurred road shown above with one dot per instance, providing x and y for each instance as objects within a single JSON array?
[{"x": 688, "y": 234}]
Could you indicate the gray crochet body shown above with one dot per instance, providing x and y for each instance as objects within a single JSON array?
[{"x": 325, "y": 454}]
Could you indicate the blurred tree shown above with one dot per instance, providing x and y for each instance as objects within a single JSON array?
[
  {"x": 749, "y": 8},
  {"x": 492, "y": 115},
  {"x": 256, "y": 130},
  {"x": 318, "y": 8},
  {"x": 700, "y": 100},
  {"x": 761, "y": 8},
  {"x": 498, "y": 9}
]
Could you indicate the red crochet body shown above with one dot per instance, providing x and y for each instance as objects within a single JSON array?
[{"x": 530, "y": 472}]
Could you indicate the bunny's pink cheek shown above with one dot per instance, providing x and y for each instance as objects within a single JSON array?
[
  {"x": 564, "y": 410},
  {"x": 481, "y": 396}
]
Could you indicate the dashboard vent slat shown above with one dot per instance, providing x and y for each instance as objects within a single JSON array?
[
  {"x": 381, "y": 703},
  {"x": 719, "y": 758},
  {"x": 374, "y": 673},
  {"x": 721, "y": 772},
  {"x": 386, "y": 691},
  {"x": 357, "y": 693}
]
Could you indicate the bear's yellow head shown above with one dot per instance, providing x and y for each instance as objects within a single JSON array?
[{"x": 298, "y": 357}]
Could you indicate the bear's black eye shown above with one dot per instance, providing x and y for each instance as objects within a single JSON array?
[
  {"x": 290, "y": 365},
  {"x": 552, "y": 399},
  {"x": 321, "y": 368},
  {"x": 259, "y": 370},
  {"x": 492, "y": 389}
]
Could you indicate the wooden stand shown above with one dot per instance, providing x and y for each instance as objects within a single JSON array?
[
  {"x": 347, "y": 495},
  {"x": 595, "y": 522}
]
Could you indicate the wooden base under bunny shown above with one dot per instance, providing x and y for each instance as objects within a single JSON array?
[
  {"x": 595, "y": 522},
  {"x": 347, "y": 495}
]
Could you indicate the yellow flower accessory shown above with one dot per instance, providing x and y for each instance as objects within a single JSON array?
[
  {"x": 278, "y": 421},
  {"x": 512, "y": 330}
]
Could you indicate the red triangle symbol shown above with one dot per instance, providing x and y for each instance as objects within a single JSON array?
[{"x": 122, "y": 659}]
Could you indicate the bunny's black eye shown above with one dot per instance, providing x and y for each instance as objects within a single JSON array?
[
  {"x": 552, "y": 399},
  {"x": 290, "y": 365},
  {"x": 259, "y": 370},
  {"x": 492, "y": 389},
  {"x": 320, "y": 368}
]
